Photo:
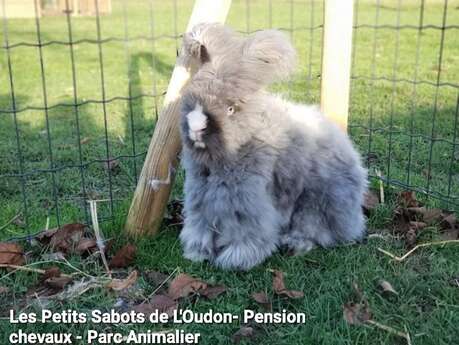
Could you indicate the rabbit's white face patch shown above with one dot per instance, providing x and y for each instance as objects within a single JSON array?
[{"x": 197, "y": 122}]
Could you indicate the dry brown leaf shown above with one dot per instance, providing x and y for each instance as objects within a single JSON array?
[
  {"x": 417, "y": 225},
  {"x": 260, "y": 297},
  {"x": 40, "y": 291},
  {"x": 86, "y": 244},
  {"x": 411, "y": 238},
  {"x": 45, "y": 236},
  {"x": 386, "y": 287},
  {"x": 370, "y": 202},
  {"x": 245, "y": 332},
  {"x": 408, "y": 199},
  {"x": 3, "y": 290},
  {"x": 162, "y": 303},
  {"x": 11, "y": 254},
  {"x": 432, "y": 215},
  {"x": 449, "y": 221},
  {"x": 356, "y": 313},
  {"x": 449, "y": 234},
  {"x": 155, "y": 278},
  {"x": 50, "y": 284},
  {"x": 64, "y": 239},
  {"x": 57, "y": 283},
  {"x": 121, "y": 284},
  {"x": 67, "y": 236},
  {"x": 211, "y": 292},
  {"x": 415, "y": 212},
  {"x": 78, "y": 288},
  {"x": 124, "y": 257},
  {"x": 51, "y": 273},
  {"x": 279, "y": 286},
  {"x": 184, "y": 285},
  {"x": 263, "y": 300}
]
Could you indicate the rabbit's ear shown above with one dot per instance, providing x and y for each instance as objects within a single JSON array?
[
  {"x": 267, "y": 56},
  {"x": 208, "y": 41}
]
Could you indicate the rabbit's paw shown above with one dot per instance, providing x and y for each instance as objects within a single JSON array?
[
  {"x": 298, "y": 244},
  {"x": 195, "y": 254},
  {"x": 197, "y": 246},
  {"x": 242, "y": 256}
]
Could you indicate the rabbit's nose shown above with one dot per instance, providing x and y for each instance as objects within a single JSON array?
[
  {"x": 196, "y": 135},
  {"x": 197, "y": 123}
]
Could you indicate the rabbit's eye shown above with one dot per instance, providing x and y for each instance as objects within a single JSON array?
[{"x": 230, "y": 110}]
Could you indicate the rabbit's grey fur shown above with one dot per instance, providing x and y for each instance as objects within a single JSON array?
[{"x": 261, "y": 172}]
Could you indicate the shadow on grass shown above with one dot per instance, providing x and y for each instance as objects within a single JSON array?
[{"x": 60, "y": 160}]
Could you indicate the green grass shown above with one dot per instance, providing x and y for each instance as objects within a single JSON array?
[{"x": 428, "y": 304}]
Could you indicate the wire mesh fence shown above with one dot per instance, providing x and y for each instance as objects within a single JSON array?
[
  {"x": 79, "y": 96},
  {"x": 408, "y": 129}
]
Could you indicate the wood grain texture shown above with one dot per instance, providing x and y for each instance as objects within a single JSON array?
[{"x": 336, "y": 60}]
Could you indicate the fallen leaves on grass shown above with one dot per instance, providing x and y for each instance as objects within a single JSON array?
[
  {"x": 64, "y": 239},
  {"x": 450, "y": 234},
  {"x": 263, "y": 300},
  {"x": 357, "y": 311},
  {"x": 411, "y": 236},
  {"x": 58, "y": 283},
  {"x": 185, "y": 285},
  {"x": 122, "y": 284},
  {"x": 245, "y": 332},
  {"x": 86, "y": 245},
  {"x": 408, "y": 199},
  {"x": 280, "y": 289},
  {"x": 11, "y": 254},
  {"x": 386, "y": 288},
  {"x": 411, "y": 217},
  {"x": 51, "y": 283},
  {"x": 212, "y": 292},
  {"x": 371, "y": 201},
  {"x": 124, "y": 257},
  {"x": 155, "y": 278},
  {"x": 78, "y": 288},
  {"x": 51, "y": 272},
  {"x": 160, "y": 303}
]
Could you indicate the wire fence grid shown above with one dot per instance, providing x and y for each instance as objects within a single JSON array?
[{"x": 79, "y": 96}]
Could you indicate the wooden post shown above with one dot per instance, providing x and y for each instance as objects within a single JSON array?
[
  {"x": 155, "y": 182},
  {"x": 336, "y": 60}
]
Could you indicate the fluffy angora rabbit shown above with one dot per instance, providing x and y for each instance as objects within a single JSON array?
[{"x": 261, "y": 172}]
